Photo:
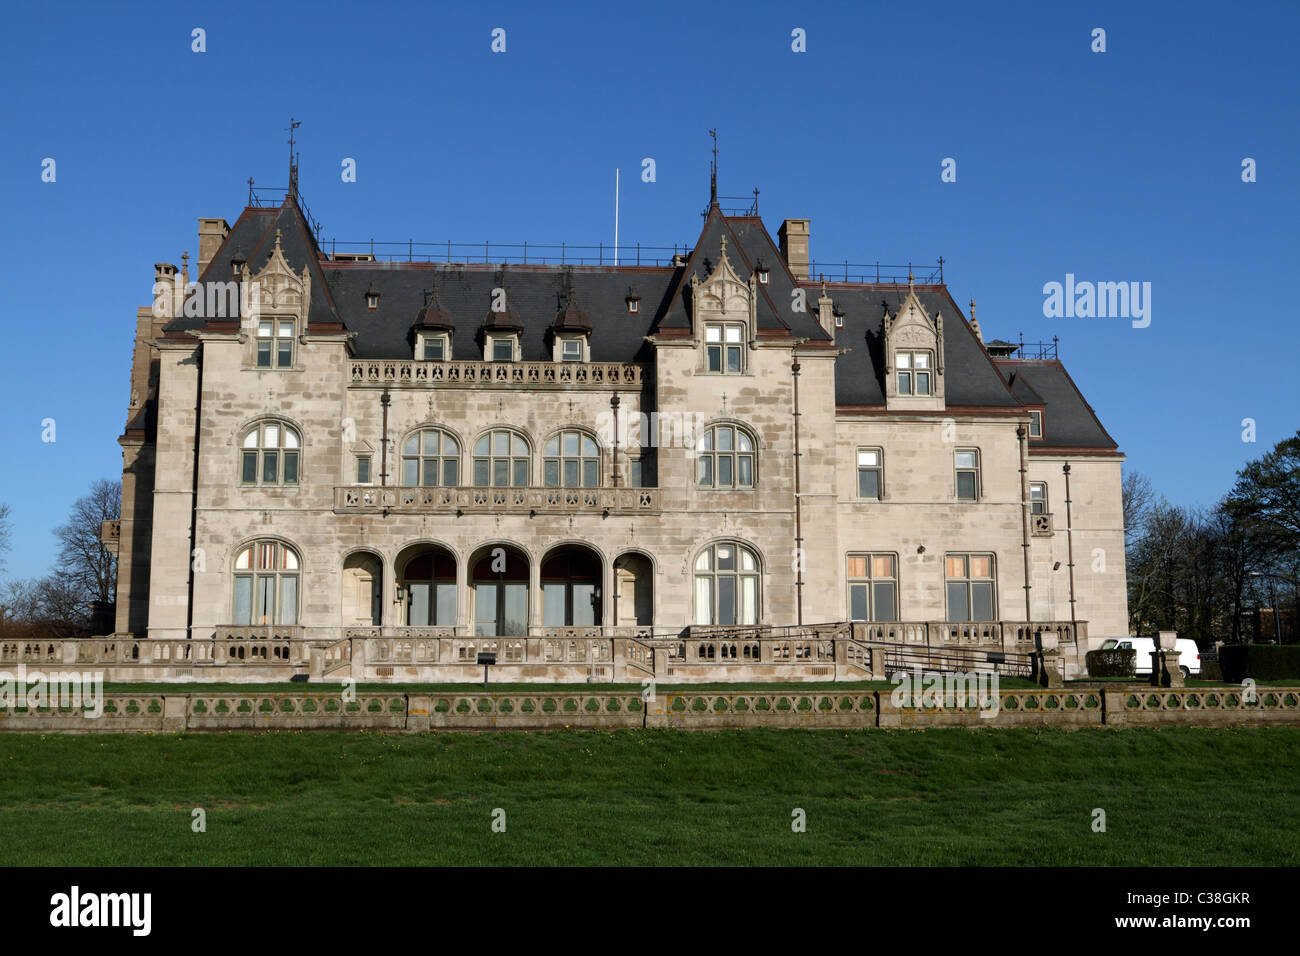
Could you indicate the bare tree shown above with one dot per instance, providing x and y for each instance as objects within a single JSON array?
[
  {"x": 6, "y": 533},
  {"x": 1139, "y": 497},
  {"x": 85, "y": 567}
]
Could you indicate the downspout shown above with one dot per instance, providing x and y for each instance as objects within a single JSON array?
[
  {"x": 1069, "y": 540},
  {"x": 1023, "y": 434},
  {"x": 614, "y": 403},
  {"x": 384, "y": 400},
  {"x": 798, "y": 507}
]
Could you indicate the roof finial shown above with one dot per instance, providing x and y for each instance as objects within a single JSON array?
[
  {"x": 293, "y": 160},
  {"x": 713, "y": 170}
]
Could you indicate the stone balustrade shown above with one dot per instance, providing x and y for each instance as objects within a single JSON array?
[
  {"x": 525, "y": 500},
  {"x": 680, "y": 708},
  {"x": 533, "y": 375}
]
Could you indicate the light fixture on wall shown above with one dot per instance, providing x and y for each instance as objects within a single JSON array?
[
  {"x": 1056, "y": 566},
  {"x": 401, "y": 593}
]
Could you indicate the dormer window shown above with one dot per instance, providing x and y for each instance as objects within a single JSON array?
[
  {"x": 1035, "y": 424},
  {"x": 762, "y": 274},
  {"x": 914, "y": 374},
  {"x": 433, "y": 347},
  {"x": 372, "y": 298},
  {"x": 724, "y": 345},
  {"x": 501, "y": 347},
  {"x": 275, "y": 343},
  {"x": 633, "y": 302},
  {"x": 571, "y": 350},
  {"x": 839, "y": 317}
]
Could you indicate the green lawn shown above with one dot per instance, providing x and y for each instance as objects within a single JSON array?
[{"x": 1177, "y": 796}]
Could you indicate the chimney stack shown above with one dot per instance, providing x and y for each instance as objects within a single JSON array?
[
  {"x": 212, "y": 233},
  {"x": 794, "y": 246}
]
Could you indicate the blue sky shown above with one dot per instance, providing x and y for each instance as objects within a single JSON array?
[{"x": 1115, "y": 166}]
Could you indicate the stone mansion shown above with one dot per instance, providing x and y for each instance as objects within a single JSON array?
[{"x": 323, "y": 448}]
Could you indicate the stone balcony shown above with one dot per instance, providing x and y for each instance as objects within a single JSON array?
[
  {"x": 558, "y": 375},
  {"x": 368, "y": 499}
]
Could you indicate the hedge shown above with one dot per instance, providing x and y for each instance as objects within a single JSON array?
[
  {"x": 1113, "y": 662},
  {"x": 1259, "y": 661}
]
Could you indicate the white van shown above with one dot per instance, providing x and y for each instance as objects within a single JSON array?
[{"x": 1189, "y": 655}]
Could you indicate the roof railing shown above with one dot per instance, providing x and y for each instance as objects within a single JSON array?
[
  {"x": 877, "y": 272},
  {"x": 1038, "y": 351},
  {"x": 271, "y": 196},
  {"x": 506, "y": 253}
]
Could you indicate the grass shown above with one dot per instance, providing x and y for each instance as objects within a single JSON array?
[{"x": 1182, "y": 796}]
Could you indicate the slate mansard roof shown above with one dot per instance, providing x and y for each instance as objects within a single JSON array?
[{"x": 539, "y": 295}]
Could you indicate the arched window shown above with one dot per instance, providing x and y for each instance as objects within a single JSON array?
[
  {"x": 266, "y": 584},
  {"x": 431, "y": 456},
  {"x": 270, "y": 455},
  {"x": 725, "y": 458},
  {"x": 726, "y": 585},
  {"x": 501, "y": 460},
  {"x": 571, "y": 460}
]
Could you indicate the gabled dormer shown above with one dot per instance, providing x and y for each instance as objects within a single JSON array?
[
  {"x": 913, "y": 343},
  {"x": 723, "y": 317},
  {"x": 279, "y": 302},
  {"x": 502, "y": 327},
  {"x": 431, "y": 331},
  {"x": 571, "y": 330}
]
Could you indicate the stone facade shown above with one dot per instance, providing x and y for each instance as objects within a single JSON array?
[{"x": 625, "y": 558}]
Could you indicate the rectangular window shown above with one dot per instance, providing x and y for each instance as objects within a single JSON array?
[
  {"x": 914, "y": 373},
  {"x": 449, "y": 472},
  {"x": 249, "y": 475},
  {"x": 433, "y": 349},
  {"x": 968, "y": 474},
  {"x": 571, "y": 350},
  {"x": 970, "y": 587},
  {"x": 1035, "y": 424},
  {"x": 270, "y": 467},
  {"x": 873, "y": 587},
  {"x": 1038, "y": 497},
  {"x": 503, "y": 350},
  {"x": 634, "y": 473},
  {"x": 869, "y": 473},
  {"x": 724, "y": 348},
  {"x": 290, "y": 467},
  {"x": 363, "y": 469}
]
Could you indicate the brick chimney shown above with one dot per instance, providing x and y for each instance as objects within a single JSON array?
[
  {"x": 212, "y": 233},
  {"x": 794, "y": 246}
]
